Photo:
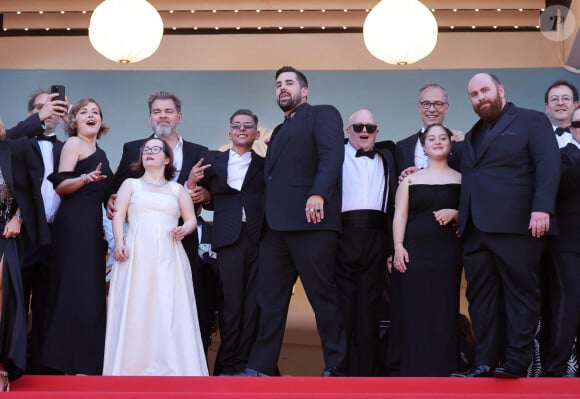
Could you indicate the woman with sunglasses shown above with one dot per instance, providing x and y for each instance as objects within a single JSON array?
[
  {"x": 152, "y": 325},
  {"x": 428, "y": 256},
  {"x": 566, "y": 259}
]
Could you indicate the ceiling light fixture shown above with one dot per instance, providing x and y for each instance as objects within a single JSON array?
[
  {"x": 400, "y": 32},
  {"x": 125, "y": 31}
]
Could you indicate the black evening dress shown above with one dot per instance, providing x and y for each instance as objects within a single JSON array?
[
  {"x": 430, "y": 287},
  {"x": 13, "y": 316},
  {"x": 75, "y": 331}
]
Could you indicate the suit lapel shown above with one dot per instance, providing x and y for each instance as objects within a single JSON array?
[
  {"x": 221, "y": 165},
  {"x": 252, "y": 169},
  {"x": 504, "y": 121}
]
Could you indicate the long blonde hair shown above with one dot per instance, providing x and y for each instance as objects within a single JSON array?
[{"x": 2, "y": 131}]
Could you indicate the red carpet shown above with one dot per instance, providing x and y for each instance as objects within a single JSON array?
[{"x": 63, "y": 387}]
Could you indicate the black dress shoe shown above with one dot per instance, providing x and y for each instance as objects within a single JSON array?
[
  {"x": 479, "y": 371},
  {"x": 504, "y": 372}
]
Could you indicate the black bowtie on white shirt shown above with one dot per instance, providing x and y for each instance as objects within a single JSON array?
[
  {"x": 237, "y": 168},
  {"x": 50, "y": 198},
  {"x": 563, "y": 139},
  {"x": 363, "y": 182}
]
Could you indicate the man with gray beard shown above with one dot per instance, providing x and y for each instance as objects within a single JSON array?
[{"x": 165, "y": 116}]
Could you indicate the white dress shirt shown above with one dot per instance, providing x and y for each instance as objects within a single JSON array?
[
  {"x": 421, "y": 159},
  {"x": 50, "y": 198},
  {"x": 237, "y": 168},
  {"x": 564, "y": 139},
  {"x": 363, "y": 182},
  {"x": 177, "y": 159}
]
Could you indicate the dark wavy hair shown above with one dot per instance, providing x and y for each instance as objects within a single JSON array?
[
  {"x": 424, "y": 134},
  {"x": 71, "y": 127},
  {"x": 169, "y": 170}
]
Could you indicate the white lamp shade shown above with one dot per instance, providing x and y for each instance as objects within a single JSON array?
[
  {"x": 125, "y": 30},
  {"x": 400, "y": 32}
]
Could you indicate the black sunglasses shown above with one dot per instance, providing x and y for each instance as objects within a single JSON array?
[
  {"x": 575, "y": 124},
  {"x": 358, "y": 127}
]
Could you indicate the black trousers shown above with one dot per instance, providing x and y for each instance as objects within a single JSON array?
[
  {"x": 283, "y": 256},
  {"x": 237, "y": 265},
  {"x": 361, "y": 263},
  {"x": 504, "y": 296}
]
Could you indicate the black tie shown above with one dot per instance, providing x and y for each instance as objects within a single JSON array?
[
  {"x": 560, "y": 130},
  {"x": 52, "y": 138},
  {"x": 363, "y": 153}
]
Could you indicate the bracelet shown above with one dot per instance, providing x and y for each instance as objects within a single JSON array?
[{"x": 85, "y": 179}]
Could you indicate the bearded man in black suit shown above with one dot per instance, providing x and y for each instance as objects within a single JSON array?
[
  {"x": 510, "y": 170},
  {"x": 302, "y": 224}
]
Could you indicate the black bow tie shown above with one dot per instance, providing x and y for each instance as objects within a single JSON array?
[
  {"x": 363, "y": 153},
  {"x": 560, "y": 130},
  {"x": 52, "y": 138}
]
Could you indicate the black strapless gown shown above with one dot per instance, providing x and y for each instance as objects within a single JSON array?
[{"x": 430, "y": 287}]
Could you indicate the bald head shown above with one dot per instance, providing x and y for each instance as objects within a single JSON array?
[
  {"x": 487, "y": 96},
  {"x": 364, "y": 120}
]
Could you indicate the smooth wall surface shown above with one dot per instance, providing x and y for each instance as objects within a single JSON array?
[{"x": 210, "y": 97}]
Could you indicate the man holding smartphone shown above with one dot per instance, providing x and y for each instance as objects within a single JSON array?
[{"x": 39, "y": 154}]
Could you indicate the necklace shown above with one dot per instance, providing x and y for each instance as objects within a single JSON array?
[{"x": 154, "y": 184}]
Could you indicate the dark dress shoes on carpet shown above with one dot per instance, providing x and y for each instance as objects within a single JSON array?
[
  {"x": 505, "y": 372},
  {"x": 479, "y": 371}
]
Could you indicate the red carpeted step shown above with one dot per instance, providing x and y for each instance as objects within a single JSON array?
[{"x": 64, "y": 387}]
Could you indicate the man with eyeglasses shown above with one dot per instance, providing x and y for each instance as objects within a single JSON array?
[
  {"x": 302, "y": 224},
  {"x": 165, "y": 116},
  {"x": 565, "y": 251},
  {"x": 369, "y": 183},
  {"x": 433, "y": 105},
  {"x": 236, "y": 183},
  {"x": 560, "y": 100}
]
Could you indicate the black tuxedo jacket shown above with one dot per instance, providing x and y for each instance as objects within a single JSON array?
[
  {"x": 28, "y": 174},
  {"x": 384, "y": 149},
  {"x": 515, "y": 173},
  {"x": 29, "y": 127},
  {"x": 228, "y": 202},
  {"x": 568, "y": 202},
  {"x": 132, "y": 151},
  {"x": 405, "y": 153},
  {"x": 305, "y": 157}
]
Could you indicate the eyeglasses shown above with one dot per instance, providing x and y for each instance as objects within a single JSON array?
[
  {"x": 560, "y": 99},
  {"x": 575, "y": 124},
  {"x": 358, "y": 127},
  {"x": 435, "y": 104},
  {"x": 152, "y": 150},
  {"x": 246, "y": 125}
]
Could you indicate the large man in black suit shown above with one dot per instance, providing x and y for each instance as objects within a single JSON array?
[
  {"x": 165, "y": 116},
  {"x": 565, "y": 251},
  {"x": 37, "y": 154},
  {"x": 302, "y": 224},
  {"x": 510, "y": 170},
  {"x": 433, "y": 106},
  {"x": 369, "y": 184},
  {"x": 236, "y": 183}
]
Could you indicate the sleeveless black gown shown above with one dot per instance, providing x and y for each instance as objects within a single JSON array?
[{"x": 430, "y": 287}]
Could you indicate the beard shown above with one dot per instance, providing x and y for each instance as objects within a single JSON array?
[
  {"x": 288, "y": 104},
  {"x": 492, "y": 112},
  {"x": 51, "y": 124},
  {"x": 162, "y": 130}
]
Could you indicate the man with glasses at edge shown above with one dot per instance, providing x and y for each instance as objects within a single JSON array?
[
  {"x": 165, "y": 116},
  {"x": 433, "y": 105},
  {"x": 235, "y": 180},
  {"x": 369, "y": 184},
  {"x": 560, "y": 99}
]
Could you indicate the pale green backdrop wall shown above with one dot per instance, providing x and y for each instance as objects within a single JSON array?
[{"x": 210, "y": 97}]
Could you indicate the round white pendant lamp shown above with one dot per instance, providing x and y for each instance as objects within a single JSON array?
[
  {"x": 400, "y": 32},
  {"x": 125, "y": 31}
]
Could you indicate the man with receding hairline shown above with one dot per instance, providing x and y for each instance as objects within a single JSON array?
[{"x": 510, "y": 170}]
